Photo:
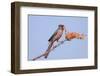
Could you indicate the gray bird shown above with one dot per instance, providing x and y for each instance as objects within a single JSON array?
[{"x": 55, "y": 37}]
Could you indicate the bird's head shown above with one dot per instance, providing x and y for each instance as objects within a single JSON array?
[{"x": 61, "y": 26}]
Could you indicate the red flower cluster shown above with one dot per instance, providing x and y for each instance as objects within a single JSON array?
[{"x": 73, "y": 35}]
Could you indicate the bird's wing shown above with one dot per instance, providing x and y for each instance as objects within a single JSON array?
[{"x": 50, "y": 39}]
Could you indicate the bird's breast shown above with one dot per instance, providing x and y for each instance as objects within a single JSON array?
[{"x": 59, "y": 34}]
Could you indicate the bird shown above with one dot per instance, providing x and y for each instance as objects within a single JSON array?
[{"x": 55, "y": 37}]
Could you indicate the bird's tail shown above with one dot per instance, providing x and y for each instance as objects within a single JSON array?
[{"x": 48, "y": 50}]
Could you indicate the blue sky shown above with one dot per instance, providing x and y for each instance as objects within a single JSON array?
[{"x": 40, "y": 29}]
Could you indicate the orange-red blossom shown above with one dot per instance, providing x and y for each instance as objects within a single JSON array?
[{"x": 73, "y": 35}]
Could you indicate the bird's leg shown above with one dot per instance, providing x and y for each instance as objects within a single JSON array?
[
  {"x": 55, "y": 44},
  {"x": 58, "y": 41}
]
